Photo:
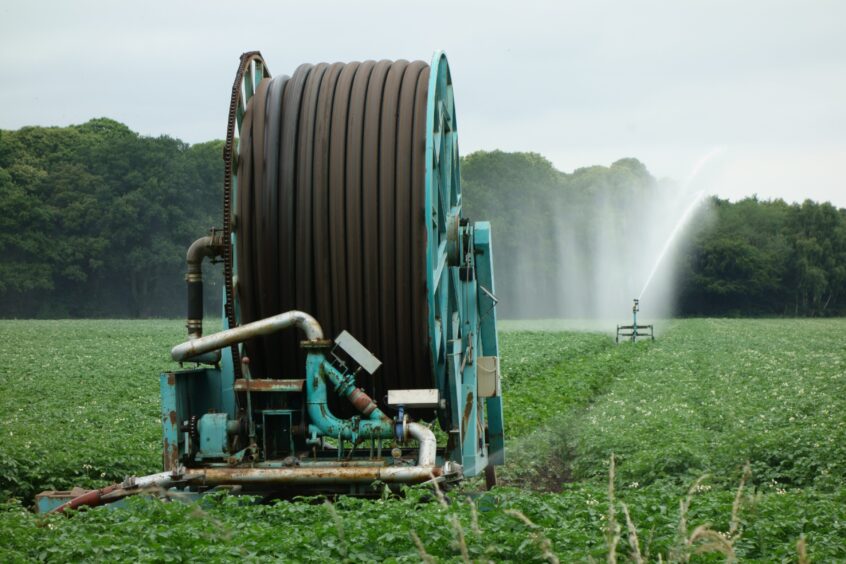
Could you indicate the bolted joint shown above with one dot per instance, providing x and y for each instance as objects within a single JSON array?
[
  {"x": 316, "y": 344},
  {"x": 362, "y": 402},
  {"x": 195, "y": 328}
]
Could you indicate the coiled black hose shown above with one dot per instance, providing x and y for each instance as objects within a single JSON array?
[{"x": 331, "y": 214}]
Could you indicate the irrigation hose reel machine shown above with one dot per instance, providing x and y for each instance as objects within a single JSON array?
[{"x": 342, "y": 218}]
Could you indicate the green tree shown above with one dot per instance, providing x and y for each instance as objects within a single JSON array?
[{"x": 96, "y": 219}]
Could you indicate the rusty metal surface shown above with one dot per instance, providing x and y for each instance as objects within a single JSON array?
[
  {"x": 91, "y": 498},
  {"x": 210, "y": 246},
  {"x": 170, "y": 455},
  {"x": 468, "y": 410},
  {"x": 311, "y": 475},
  {"x": 362, "y": 402},
  {"x": 170, "y": 422},
  {"x": 310, "y": 463},
  {"x": 247, "y": 60},
  {"x": 268, "y": 385}
]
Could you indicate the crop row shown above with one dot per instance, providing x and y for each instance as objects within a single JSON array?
[{"x": 79, "y": 406}]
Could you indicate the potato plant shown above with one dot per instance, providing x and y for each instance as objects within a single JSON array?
[{"x": 682, "y": 417}]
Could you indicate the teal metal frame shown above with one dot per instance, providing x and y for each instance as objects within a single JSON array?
[{"x": 462, "y": 328}]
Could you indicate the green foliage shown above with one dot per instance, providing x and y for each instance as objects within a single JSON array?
[
  {"x": 571, "y": 523},
  {"x": 576, "y": 366},
  {"x": 95, "y": 219},
  {"x": 768, "y": 258},
  {"x": 711, "y": 394},
  {"x": 706, "y": 397},
  {"x": 79, "y": 402}
]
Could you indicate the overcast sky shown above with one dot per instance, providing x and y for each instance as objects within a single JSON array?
[{"x": 582, "y": 83}]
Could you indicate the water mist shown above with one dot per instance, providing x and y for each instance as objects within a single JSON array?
[{"x": 626, "y": 248}]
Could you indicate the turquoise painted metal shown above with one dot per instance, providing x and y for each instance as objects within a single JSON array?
[
  {"x": 319, "y": 373},
  {"x": 212, "y": 429},
  {"x": 443, "y": 208},
  {"x": 462, "y": 332},
  {"x": 458, "y": 269}
]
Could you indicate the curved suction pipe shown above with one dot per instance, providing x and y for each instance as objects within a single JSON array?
[
  {"x": 427, "y": 454},
  {"x": 374, "y": 423},
  {"x": 319, "y": 372},
  {"x": 303, "y": 321},
  {"x": 210, "y": 246}
]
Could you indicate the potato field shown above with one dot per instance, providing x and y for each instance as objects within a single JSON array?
[{"x": 723, "y": 440}]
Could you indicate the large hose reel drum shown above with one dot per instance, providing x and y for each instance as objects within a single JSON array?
[{"x": 343, "y": 200}]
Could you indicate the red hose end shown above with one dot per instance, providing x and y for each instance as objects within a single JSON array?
[{"x": 89, "y": 499}]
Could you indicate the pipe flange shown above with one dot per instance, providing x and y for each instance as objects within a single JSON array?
[
  {"x": 316, "y": 344},
  {"x": 405, "y": 428}
]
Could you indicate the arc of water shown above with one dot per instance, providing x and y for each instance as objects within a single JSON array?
[
  {"x": 673, "y": 234},
  {"x": 700, "y": 164}
]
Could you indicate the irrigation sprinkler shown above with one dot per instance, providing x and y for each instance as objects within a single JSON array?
[{"x": 633, "y": 331}]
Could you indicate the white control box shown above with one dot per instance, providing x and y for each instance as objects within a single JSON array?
[{"x": 414, "y": 398}]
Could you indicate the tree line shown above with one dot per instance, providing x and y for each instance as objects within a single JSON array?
[
  {"x": 95, "y": 220},
  {"x": 746, "y": 258},
  {"x": 767, "y": 258}
]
